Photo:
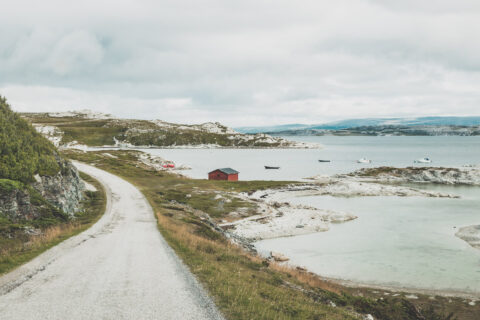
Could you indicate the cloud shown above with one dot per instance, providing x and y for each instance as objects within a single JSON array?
[
  {"x": 75, "y": 52},
  {"x": 243, "y": 63}
]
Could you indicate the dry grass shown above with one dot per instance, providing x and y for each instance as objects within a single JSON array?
[
  {"x": 244, "y": 286},
  {"x": 36, "y": 242},
  {"x": 17, "y": 251},
  {"x": 308, "y": 278}
]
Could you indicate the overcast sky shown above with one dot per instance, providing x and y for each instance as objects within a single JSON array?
[{"x": 245, "y": 62}]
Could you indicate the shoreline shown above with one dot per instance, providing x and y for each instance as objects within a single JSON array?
[
  {"x": 276, "y": 217},
  {"x": 451, "y": 293},
  {"x": 187, "y": 147}
]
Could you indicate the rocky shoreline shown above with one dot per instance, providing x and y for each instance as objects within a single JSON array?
[
  {"x": 276, "y": 218},
  {"x": 285, "y": 220},
  {"x": 470, "y": 234},
  {"x": 348, "y": 187},
  {"x": 467, "y": 175}
]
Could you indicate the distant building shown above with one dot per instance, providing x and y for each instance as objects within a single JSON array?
[{"x": 223, "y": 174}]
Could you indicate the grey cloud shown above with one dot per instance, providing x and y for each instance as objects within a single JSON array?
[{"x": 243, "y": 62}]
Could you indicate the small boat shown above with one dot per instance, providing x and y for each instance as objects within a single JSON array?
[
  {"x": 364, "y": 160},
  {"x": 423, "y": 160},
  {"x": 323, "y": 160},
  {"x": 269, "y": 167}
]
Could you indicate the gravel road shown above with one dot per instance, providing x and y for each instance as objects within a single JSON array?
[{"x": 120, "y": 268}]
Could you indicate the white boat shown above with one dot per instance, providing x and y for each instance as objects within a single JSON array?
[
  {"x": 423, "y": 160},
  {"x": 364, "y": 160}
]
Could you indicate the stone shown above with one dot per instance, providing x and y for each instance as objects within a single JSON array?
[{"x": 278, "y": 257}]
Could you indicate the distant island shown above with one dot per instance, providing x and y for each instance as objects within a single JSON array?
[{"x": 423, "y": 126}]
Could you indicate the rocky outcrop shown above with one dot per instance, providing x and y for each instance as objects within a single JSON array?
[
  {"x": 63, "y": 190},
  {"x": 17, "y": 205},
  {"x": 346, "y": 187},
  {"x": 465, "y": 175},
  {"x": 471, "y": 235}
]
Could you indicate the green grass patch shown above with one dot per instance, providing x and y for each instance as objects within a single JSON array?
[{"x": 7, "y": 185}]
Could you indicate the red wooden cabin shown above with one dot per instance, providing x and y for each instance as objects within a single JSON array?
[{"x": 223, "y": 174}]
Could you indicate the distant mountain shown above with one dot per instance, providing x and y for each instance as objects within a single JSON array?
[
  {"x": 284, "y": 127},
  {"x": 367, "y": 122}
]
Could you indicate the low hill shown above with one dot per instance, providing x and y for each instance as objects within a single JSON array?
[{"x": 94, "y": 129}]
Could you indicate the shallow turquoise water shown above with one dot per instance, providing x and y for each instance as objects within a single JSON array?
[{"x": 402, "y": 242}]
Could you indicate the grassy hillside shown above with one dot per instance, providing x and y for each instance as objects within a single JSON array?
[
  {"x": 91, "y": 131},
  {"x": 23, "y": 151}
]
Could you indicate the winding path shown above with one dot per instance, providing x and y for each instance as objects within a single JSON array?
[{"x": 120, "y": 268}]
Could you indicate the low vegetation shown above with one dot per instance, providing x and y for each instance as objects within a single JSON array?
[
  {"x": 399, "y": 172},
  {"x": 20, "y": 241},
  {"x": 23, "y": 151},
  {"x": 246, "y": 286}
]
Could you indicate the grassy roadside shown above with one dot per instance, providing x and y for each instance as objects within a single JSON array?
[
  {"x": 246, "y": 286},
  {"x": 19, "y": 250}
]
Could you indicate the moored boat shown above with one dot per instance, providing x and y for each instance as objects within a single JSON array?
[
  {"x": 423, "y": 160},
  {"x": 364, "y": 160},
  {"x": 270, "y": 167},
  {"x": 323, "y": 160}
]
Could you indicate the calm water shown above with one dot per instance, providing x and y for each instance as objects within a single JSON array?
[
  {"x": 342, "y": 151},
  {"x": 404, "y": 242}
]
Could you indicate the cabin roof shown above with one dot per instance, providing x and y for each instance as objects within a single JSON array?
[{"x": 226, "y": 171}]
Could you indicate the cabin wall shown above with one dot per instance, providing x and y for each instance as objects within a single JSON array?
[
  {"x": 233, "y": 177},
  {"x": 217, "y": 175}
]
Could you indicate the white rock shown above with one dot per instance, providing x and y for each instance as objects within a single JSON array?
[{"x": 278, "y": 257}]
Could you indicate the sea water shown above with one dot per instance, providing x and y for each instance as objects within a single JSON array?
[{"x": 343, "y": 152}]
